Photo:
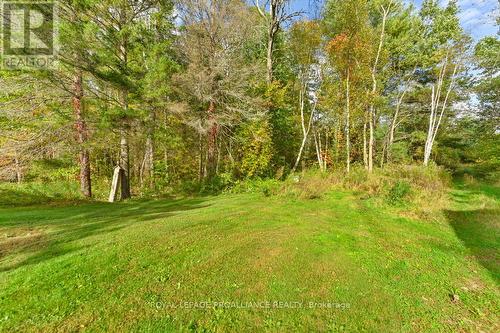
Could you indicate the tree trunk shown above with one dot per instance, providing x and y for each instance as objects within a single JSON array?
[
  {"x": 212, "y": 142},
  {"x": 394, "y": 122},
  {"x": 371, "y": 114},
  {"x": 124, "y": 164},
  {"x": 305, "y": 129},
  {"x": 299, "y": 157},
  {"x": 273, "y": 25},
  {"x": 124, "y": 143},
  {"x": 124, "y": 151},
  {"x": 384, "y": 150},
  {"x": 219, "y": 150},
  {"x": 348, "y": 123},
  {"x": 269, "y": 57},
  {"x": 165, "y": 146},
  {"x": 147, "y": 167},
  {"x": 392, "y": 131},
  {"x": 365, "y": 144},
  {"x": 201, "y": 167},
  {"x": 317, "y": 143},
  {"x": 325, "y": 157},
  {"x": 371, "y": 143},
  {"x": 81, "y": 134},
  {"x": 17, "y": 164},
  {"x": 435, "y": 119}
]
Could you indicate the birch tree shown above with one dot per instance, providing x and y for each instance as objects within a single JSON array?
[
  {"x": 403, "y": 37},
  {"x": 439, "y": 102},
  {"x": 384, "y": 8},
  {"x": 305, "y": 42},
  {"x": 349, "y": 53},
  {"x": 443, "y": 46}
]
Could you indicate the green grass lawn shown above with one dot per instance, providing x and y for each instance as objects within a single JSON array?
[{"x": 150, "y": 265}]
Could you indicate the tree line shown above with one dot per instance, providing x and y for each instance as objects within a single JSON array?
[{"x": 209, "y": 90}]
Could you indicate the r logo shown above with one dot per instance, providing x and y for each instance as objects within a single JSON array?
[{"x": 28, "y": 28}]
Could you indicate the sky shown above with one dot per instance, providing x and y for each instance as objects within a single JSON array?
[{"x": 477, "y": 16}]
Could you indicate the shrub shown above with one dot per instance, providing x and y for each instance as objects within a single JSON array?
[
  {"x": 311, "y": 185},
  {"x": 400, "y": 152},
  {"x": 399, "y": 192},
  {"x": 268, "y": 187},
  {"x": 256, "y": 149},
  {"x": 52, "y": 170},
  {"x": 217, "y": 184},
  {"x": 469, "y": 179},
  {"x": 395, "y": 184}
]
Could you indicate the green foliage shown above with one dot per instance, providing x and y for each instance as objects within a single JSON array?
[
  {"x": 52, "y": 171},
  {"x": 311, "y": 185},
  {"x": 399, "y": 192},
  {"x": 400, "y": 153},
  {"x": 36, "y": 194},
  {"x": 350, "y": 48},
  {"x": 305, "y": 39},
  {"x": 395, "y": 183},
  {"x": 488, "y": 86},
  {"x": 487, "y": 54},
  {"x": 471, "y": 147},
  {"x": 285, "y": 129},
  {"x": 268, "y": 187},
  {"x": 256, "y": 149},
  {"x": 217, "y": 184},
  {"x": 441, "y": 31},
  {"x": 151, "y": 78}
]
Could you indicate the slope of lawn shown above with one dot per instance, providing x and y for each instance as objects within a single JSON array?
[{"x": 150, "y": 265}]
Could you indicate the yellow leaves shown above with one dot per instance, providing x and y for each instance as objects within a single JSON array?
[
  {"x": 306, "y": 38},
  {"x": 276, "y": 94}
]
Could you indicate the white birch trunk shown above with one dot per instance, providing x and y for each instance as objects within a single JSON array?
[
  {"x": 305, "y": 128},
  {"x": 438, "y": 109},
  {"x": 348, "y": 123},
  {"x": 371, "y": 114}
]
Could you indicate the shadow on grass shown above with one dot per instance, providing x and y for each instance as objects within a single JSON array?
[
  {"x": 478, "y": 229},
  {"x": 468, "y": 191},
  {"x": 54, "y": 230},
  {"x": 491, "y": 191},
  {"x": 24, "y": 197}
]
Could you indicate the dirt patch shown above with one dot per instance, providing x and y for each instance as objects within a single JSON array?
[
  {"x": 15, "y": 240},
  {"x": 473, "y": 285}
]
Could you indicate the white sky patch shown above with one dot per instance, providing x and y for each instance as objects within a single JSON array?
[
  {"x": 470, "y": 16},
  {"x": 477, "y": 12}
]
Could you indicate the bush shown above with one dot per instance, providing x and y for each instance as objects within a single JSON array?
[
  {"x": 256, "y": 149},
  {"x": 399, "y": 192},
  {"x": 310, "y": 185},
  {"x": 400, "y": 152},
  {"x": 52, "y": 170},
  {"x": 394, "y": 184},
  {"x": 216, "y": 185},
  {"x": 268, "y": 187}
]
